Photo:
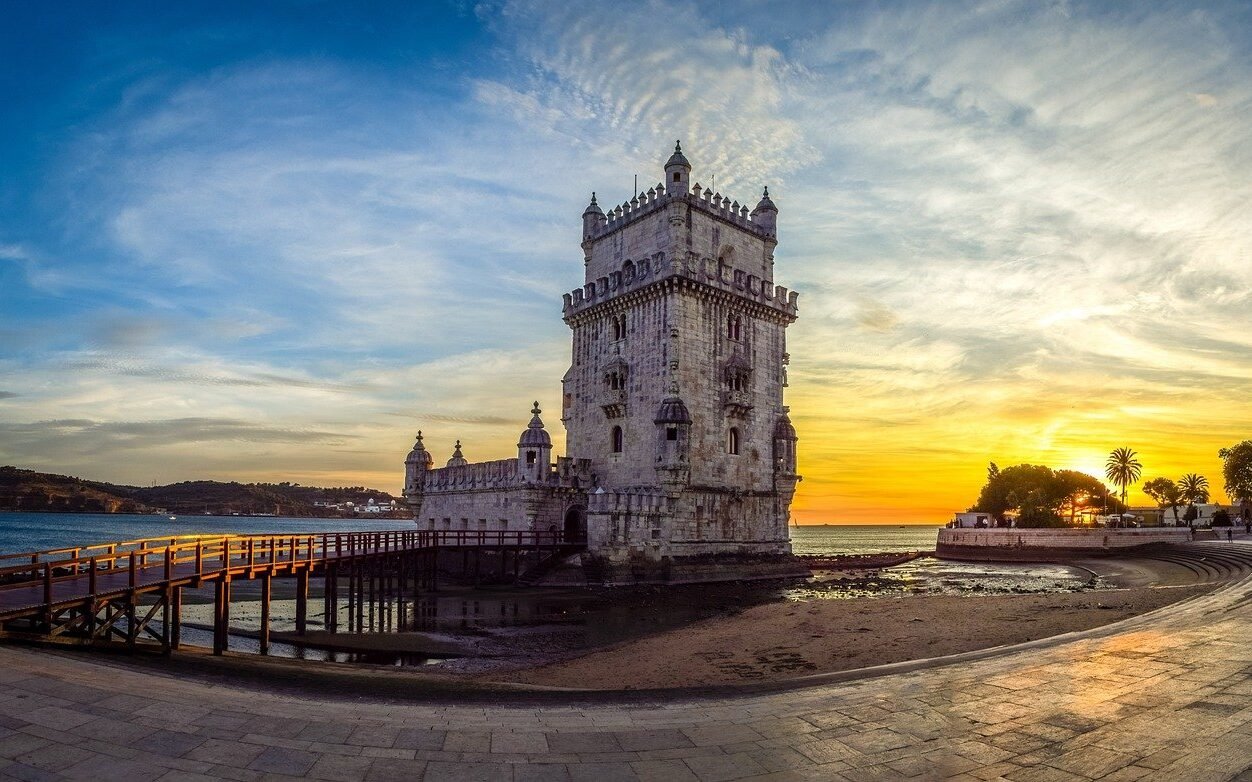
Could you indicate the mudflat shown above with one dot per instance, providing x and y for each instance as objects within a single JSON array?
[{"x": 788, "y": 639}]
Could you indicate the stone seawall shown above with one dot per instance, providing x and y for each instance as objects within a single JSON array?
[{"x": 1050, "y": 545}]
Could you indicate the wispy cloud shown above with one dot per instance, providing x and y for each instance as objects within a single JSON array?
[{"x": 1019, "y": 230}]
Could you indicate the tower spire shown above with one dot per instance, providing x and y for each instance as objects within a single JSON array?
[{"x": 677, "y": 172}]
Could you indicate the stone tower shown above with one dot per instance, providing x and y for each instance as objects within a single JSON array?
[{"x": 674, "y": 395}]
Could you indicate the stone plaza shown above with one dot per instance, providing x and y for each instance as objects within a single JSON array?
[{"x": 1162, "y": 697}]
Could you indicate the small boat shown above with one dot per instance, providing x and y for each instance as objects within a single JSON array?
[{"x": 173, "y": 518}]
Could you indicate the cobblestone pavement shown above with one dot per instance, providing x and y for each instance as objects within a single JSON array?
[{"x": 1166, "y": 696}]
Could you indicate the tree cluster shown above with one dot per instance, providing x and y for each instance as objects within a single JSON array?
[
  {"x": 1042, "y": 497},
  {"x": 1237, "y": 470},
  {"x": 1189, "y": 490}
]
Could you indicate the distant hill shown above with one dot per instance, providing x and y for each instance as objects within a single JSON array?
[{"x": 27, "y": 490}]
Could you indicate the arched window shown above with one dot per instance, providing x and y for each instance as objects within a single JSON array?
[
  {"x": 734, "y": 327},
  {"x": 530, "y": 458},
  {"x": 617, "y": 327},
  {"x": 615, "y": 439},
  {"x": 732, "y": 441}
]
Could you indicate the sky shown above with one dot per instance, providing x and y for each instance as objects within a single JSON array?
[{"x": 255, "y": 242}]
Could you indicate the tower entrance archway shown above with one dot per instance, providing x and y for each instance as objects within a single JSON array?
[{"x": 576, "y": 524}]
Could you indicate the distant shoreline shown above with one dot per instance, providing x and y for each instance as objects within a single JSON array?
[{"x": 360, "y": 517}]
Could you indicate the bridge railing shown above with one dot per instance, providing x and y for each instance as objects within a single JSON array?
[{"x": 209, "y": 554}]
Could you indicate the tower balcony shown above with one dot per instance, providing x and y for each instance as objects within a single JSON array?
[
  {"x": 613, "y": 403},
  {"x": 737, "y": 404}
]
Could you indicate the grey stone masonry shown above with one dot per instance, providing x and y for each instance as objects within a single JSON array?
[{"x": 679, "y": 443}]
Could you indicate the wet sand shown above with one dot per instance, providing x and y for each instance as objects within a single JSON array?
[
  {"x": 851, "y": 615},
  {"x": 785, "y": 640}
]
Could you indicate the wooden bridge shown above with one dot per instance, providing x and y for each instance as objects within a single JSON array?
[{"x": 132, "y": 591}]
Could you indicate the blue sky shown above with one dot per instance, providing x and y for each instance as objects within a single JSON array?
[{"x": 270, "y": 243}]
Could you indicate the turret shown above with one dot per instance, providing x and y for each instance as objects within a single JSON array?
[
  {"x": 415, "y": 466},
  {"x": 784, "y": 445},
  {"x": 534, "y": 449},
  {"x": 677, "y": 172},
  {"x": 458, "y": 458},
  {"x": 673, "y": 429},
  {"x": 593, "y": 217},
  {"x": 766, "y": 214}
]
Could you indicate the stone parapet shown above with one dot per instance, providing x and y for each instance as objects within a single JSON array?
[
  {"x": 1044, "y": 545},
  {"x": 644, "y": 204},
  {"x": 707, "y": 273}
]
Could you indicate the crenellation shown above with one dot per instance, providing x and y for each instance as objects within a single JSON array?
[{"x": 704, "y": 269}]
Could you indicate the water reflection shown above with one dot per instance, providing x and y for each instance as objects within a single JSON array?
[{"x": 502, "y": 621}]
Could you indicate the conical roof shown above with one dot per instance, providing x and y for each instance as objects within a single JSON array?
[
  {"x": 678, "y": 158},
  {"x": 766, "y": 204},
  {"x": 535, "y": 436},
  {"x": 419, "y": 454},
  {"x": 672, "y": 411}
]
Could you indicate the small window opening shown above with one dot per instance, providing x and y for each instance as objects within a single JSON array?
[
  {"x": 671, "y": 433},
  {"x": 734, "y": 327},
  {"x": 530, "y": 458},
  {"x": 615, "y": 439},
  {"x": 732, "y": 441},
  {"x": 678, "y": 177}
]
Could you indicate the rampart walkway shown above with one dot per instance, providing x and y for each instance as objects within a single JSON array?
[{"x": 1165, "y": 696}]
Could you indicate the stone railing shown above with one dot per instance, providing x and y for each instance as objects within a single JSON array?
[
  {"x": 654, "y": 198},
  {"x": 706, "y": 270},
  {"x": 627, "y": 501},
  {"x": 479, "y": 475},
  {"x": 1043, "y": 544}
]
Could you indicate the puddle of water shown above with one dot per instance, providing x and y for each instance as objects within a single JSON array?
[
  {"x": 945, "y": 577},
  {"x": 506, "y": 622}
]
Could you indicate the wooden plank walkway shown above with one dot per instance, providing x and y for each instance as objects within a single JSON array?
[{"x": 96, "y": 593}]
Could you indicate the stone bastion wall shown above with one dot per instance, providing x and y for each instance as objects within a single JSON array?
[{"x": 1044, "y": 545}]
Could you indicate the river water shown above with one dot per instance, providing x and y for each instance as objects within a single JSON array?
[{"x": 41, "y": 531}]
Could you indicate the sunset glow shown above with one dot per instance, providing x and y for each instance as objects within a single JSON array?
[{"x": 273, "y": 247}]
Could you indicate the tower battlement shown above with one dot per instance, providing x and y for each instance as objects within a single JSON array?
[
  {"x": 638, "y": 277},
  {"x": 654, "y": 198}
]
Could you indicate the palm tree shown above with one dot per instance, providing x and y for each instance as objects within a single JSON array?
[
  {"x": 1193, "y": 488},
  {"x": 1123, "y": 469}
]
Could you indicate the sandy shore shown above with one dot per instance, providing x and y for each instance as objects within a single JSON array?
[
  {"x": 853, "y": 614},
  {"x": 784, "y": 640}
]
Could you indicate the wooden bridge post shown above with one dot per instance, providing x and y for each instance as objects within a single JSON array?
[
  {"x": 359, "y": 567},
  {"x": 91, "y": 599},
  {"x": 176, "y": 618},
  {"x": 302, "y": 600},
  {"x": 132, "y": 631},
  {"x": 47, "y": 597},
  {"x": 221, "y": 614},
  {"x": 352, "y": 598},
  {"x": 263, "y": 638},
  {"x": 372, "y": 579},
  {"x": 418, "y": 572},
  {"x": 167, "y": 600},
  {"x": 330, "y": 598}
]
